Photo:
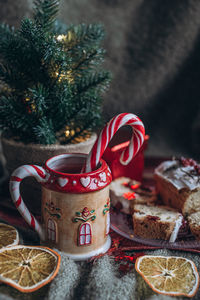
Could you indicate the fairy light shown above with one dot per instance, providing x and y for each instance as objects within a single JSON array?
[
  {"x": 68, "y": 75},
  {"x": 65, "y": 38},
  {"x": 67, "y": 41},
  {"x": 61, "y": 38},
  {"x": 72, "y": 132},
  {"x": 31, "y": 106},
  {"x": 67, "y": 131}
]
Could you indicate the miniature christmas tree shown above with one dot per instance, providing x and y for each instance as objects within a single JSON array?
[{"x": 51, "y": 78}]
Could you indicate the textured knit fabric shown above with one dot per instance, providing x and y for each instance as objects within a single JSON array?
[
  {"x": 101, "y": 281},
  {"x": 65, "y": 283},
  {"x": 104, "y": 281},
  {"x": 97, "y": 280}
]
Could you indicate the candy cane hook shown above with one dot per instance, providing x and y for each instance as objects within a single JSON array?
[
  {"x": 107, "y": 134},
  {"x": 17, "y": 176}
]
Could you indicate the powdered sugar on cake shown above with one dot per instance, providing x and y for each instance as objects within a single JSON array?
[
  {"x": 180, "y": 176},
  {"x": 178, "y": 224}
]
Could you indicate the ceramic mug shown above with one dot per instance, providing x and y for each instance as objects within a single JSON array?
[{"x": 75, "y": 207}]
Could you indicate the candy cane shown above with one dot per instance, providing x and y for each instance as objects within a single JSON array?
[
  {"x": 106, "y": 135},
  {"x": 17, "y": 176}
]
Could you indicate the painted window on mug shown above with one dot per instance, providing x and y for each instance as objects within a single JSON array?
[
  {"x": 51, "y": 230},
  {"x": 85, "y": 234}
]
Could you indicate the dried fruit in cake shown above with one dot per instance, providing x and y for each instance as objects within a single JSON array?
[
  {"x": 184, "y": 229},
  {"x": 178, "y": 183},
  {"x": 125, "y": 192},
  {"x": 173, "y": 276},
  {"x": 28, "y": 268},
  {"x": 8, "y": 236},
  {"x": 194, "y": 224},
  {"x": 156, "y": 222}
]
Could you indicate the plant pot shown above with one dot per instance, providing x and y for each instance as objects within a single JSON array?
[{"x": 18, "y": 154}]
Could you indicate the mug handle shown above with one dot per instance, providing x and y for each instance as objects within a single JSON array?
[{"x": 17, "y": 176}]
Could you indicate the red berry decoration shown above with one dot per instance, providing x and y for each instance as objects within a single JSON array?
[{"x": 185, "y": 162}]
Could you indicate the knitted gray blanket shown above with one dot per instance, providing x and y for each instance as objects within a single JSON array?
[{"x": 98, "y": 280}]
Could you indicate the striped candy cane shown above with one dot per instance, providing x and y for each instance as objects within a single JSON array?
[
  {"x": 17, "y": 176},
  {"x": 107, "y": 134}
]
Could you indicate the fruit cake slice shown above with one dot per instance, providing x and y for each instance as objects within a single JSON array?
[
  {"x": 194, "y": 224},
  {"x": 178, "y": 183},
  {"x": 156, "y": 222},
  {"x": 125, "y": 192}
]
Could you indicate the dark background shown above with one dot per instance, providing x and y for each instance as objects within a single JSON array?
[{"x": 153, "y": 51}]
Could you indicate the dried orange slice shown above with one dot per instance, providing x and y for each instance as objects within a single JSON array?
[
  {"x": 173, "y": 276},
  {"x": 28, "y": 268},
  {"x": 8, "y": 236}
]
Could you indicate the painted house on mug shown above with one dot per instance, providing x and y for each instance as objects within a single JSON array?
[{"x": 83, "y": 223}]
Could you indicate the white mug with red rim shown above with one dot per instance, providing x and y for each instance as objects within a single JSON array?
[{"x": 75, "y": 206}]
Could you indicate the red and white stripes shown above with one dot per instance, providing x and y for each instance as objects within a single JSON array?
[
  {"x": 18, "y": 175},
  {"x": 107, "y": 134}
]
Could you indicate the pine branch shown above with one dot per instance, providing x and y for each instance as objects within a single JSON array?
[
  {"x": 87, "y": 60},
  {"x": 85, "y": 107},
  {"x": 62, "y": 108},
  {"x": 16, "y": 80},
  {"x": 82, "y": 35},
  {"x": 13, "y": 116},
  {"x": 97, "y": 80},
  {"x": 6, "y": 32},
  {"x": 21, "y": 64},
  {"x": 59, "y": 27},
  {"x": 44, "y": 132},
  {"x": 45, "y": 12},
  {"x": 82, "y": 43},
  {"x": 37, "y": 100},
  {"x": 50, "y": 81}
]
